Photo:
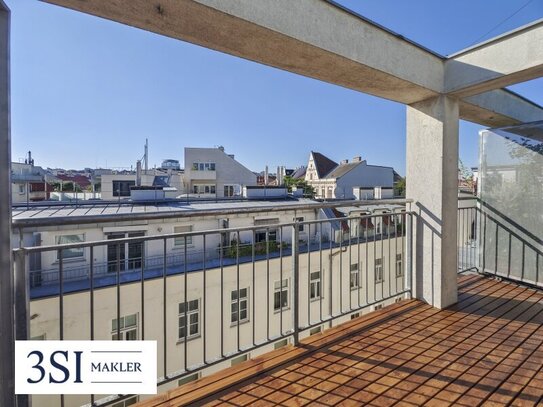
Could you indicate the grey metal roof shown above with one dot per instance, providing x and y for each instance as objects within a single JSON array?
[
  {"x": 342, "y": 169},
  {"x": 110, "y": 208}
]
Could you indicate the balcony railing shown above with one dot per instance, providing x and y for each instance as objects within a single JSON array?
[
  {"x": 247, "y": 290},
  {"x": 492, "y": 243}
]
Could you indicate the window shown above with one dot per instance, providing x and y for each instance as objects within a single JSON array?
[
  {"x": 239, "y": 359},
  {"x": 243, "y": 301},
  {"x": 190, "y": 378},
  {"x": 316, "y": 330},
  {"x": 128, "y": 328},
  {"x": 204, "y": 189},
  {"x": 300, "y": 227},
  {"x": 379, "y": 270},
  {"x": 280, "y": 295},
  {"x": 378, "y": 307},
  {"x": 70, "y": 253},
  {"x": 260, "y": 236},
  {"x": 354, "y": 276},
  {"x": 180, "y": 241},
  {"x": 280, "y": 344},
  {"x": 355, "y": 315},
  {"x": 399, "y": 266},
  {"x": 228, "y": 190},
  {"x": 21, "y": 189},
  {"x": 125, "y": 403},
  {"x": 122, "y": 188},
  {"x": 315, "y": 285},
  {"x": 203, "y": 166},
  {"x": 191, "y": 310}
]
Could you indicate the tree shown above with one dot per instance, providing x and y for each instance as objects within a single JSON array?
[
  {"x": 309, "y": 191},
  {"x": 399, "y": 187}
]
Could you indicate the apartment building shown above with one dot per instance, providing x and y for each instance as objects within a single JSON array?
[
  {"x": 348, "y": 180},
  {"x": 30, "y": 182},
  {"x": 209, "y": 295},
  {"x": 118, "y": 186},
  {"x": 211, "y": 172}
]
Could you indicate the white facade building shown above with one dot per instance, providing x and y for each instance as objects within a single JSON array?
[
  {"x": 348, "y": 180},
  {"x": 117, "y": 186},
  {"x": 230, "y": 302},
  {"x": 210, "y": 172}
]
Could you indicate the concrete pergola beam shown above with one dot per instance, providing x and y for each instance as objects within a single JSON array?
[
  {"x": 499, "y": 108},
  {"x": 315, "y": 38},
  {"x": 511, "y": 58}
]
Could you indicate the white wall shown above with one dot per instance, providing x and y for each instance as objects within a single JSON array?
[
  {"x": 228, "y": 171},
  {"x": 363, "y": 175},
  {"x": 336, "y": 295}
]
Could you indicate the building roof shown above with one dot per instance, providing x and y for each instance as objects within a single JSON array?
[
  {"x": 299, "y": 173},
  {"x": 63, "y": 213},
  {"x": 323, "y": 164},
  {"x": 342, "y": 169}
]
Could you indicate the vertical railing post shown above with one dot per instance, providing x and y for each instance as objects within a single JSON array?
[
  {"x": 22, "y": 304},
  {"x": 22, "y": 308},
  {"x": 296, "y": 282},
  {"x": 408, "y": 230}
]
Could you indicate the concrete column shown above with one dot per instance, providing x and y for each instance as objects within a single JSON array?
[
  {"x": 432, "y": 182},
  {"x": 7, "y": 332}
]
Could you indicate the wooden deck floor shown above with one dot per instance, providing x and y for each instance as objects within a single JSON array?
[{"x": 485, "y": 350}]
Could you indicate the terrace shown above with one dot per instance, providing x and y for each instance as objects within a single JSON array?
[
  {"x": 486, "y": 349},
  {"x": 463, "y": 340}
]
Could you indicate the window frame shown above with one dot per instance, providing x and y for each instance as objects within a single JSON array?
[
  {"x": 379, "y": 265},
  {"x": 234, "y": 302},
  {"x": 279, "y": 289},
  {"x": 120, "y": 192},
  {"x": 354, "y": 271},
  {"x": 318, "y": 284},
  {"x": 80, "y": 250},
  {"x": 190, "y": 312},
  {"x": 179, "y": 242},
  {"x": 204, "y": 166},
  {"x": 399, "y": 262},
  {"x": 124, "y": 329}
]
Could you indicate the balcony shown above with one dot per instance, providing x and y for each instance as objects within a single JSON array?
[
  {"x": 334, "y": 294},
  {"x": 485, "y": 350}
]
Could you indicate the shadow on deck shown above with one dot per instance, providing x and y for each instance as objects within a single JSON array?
[{"x": 486, "y": 349}]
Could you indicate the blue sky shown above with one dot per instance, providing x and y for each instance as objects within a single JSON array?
[{"x": 86, "y": 92}]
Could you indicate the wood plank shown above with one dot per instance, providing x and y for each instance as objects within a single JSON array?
[{"x": 486, "y": 348}]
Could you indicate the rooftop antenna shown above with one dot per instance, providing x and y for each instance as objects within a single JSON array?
[{"x": 146, "y": 155}]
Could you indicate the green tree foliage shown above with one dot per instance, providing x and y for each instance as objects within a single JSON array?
[{"x": 309, "y": 191}]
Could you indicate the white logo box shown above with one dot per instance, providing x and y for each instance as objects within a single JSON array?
[{"x": 85, "y": 367}]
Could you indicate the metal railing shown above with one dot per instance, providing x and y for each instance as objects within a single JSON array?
[
  {"x": 492, "y": 243},
  {"x": 234, "y": 295}
]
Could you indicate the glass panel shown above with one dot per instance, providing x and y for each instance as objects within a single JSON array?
[{"x": 130, "y": 320}]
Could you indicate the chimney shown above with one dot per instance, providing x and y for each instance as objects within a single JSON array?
[
  {"x": 357, "y": 159},
  {"x": 344, "y": 162},
  {"x": 266, "y": 176},
  {"x": 221, "y": 148},
  {"x": 279, "y": 176},
  {"x": 138, "y": 173}
]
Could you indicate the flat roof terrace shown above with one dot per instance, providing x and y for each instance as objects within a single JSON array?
[{"x": 486, "y": 349}]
